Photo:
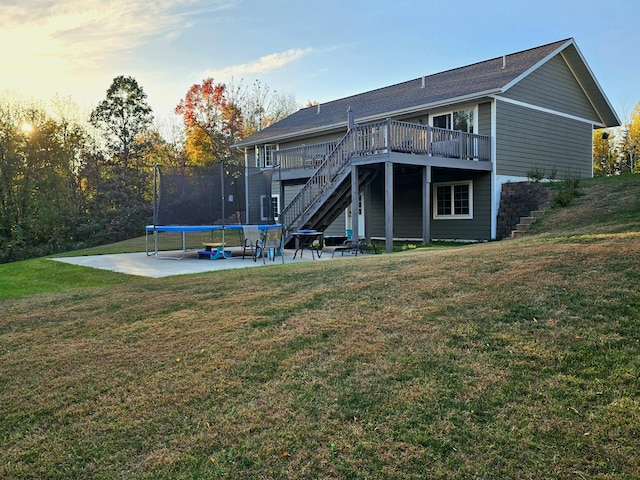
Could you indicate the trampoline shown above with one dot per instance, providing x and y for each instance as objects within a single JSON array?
[
  {"x": 214, "y": 198},
  {"x": 155, "y": 230}
]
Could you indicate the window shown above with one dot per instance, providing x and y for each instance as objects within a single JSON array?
[
  {"x": 458, "y": 120},
  {"x": 463, "y": 121},
  {"x": 265, "y": 156},
  {"x": 269, "y": 207},
  {"x": 442, "y": 121},
  {"x": 453, "y": 200}
]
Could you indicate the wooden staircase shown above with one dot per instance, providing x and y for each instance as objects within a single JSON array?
[
  {"x": 335, "y": 200},
  {"x": 326, "y": 193}
]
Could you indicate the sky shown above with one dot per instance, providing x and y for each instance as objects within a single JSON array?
[{"x": 315, "y": 50}]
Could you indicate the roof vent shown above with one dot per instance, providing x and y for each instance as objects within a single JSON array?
[
  {"x": 318, "y": 111},
  {"x": 423, "y": 81},
  {"x": 504, "y": 61}
]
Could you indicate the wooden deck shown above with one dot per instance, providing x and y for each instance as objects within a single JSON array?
[{"x": 389, "y": 136}]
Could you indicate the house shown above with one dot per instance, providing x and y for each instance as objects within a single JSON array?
[{"x": 426, "y": 159}]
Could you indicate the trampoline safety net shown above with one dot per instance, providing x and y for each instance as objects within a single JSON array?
[{"x": 212, "y": 195}]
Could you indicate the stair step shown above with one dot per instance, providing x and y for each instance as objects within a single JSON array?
[
  {"x": 527, "y": 220},
  {"x": 523, "y": 227},
  {"x": 537, "y": 213}
]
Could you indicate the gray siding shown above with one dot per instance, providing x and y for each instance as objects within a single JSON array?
[
  {"x": 408, "y": 207},
  {"x": 477, "y": 228},
  {"x": 553, "y": 86},
  {"x": 337, "y": 228},
  {"x": 251, "y": 156},
  {"x": 375, "y": 220},
  {"x": 407, "y": 202},
  {"x": 256, "y": 189},
  {"x": 529, "y": 140},
  {"x": 290, "y": 191},
  {"x": 484, "y": 119}
]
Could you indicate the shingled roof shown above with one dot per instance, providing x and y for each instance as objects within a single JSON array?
[{"x": 466, "y": 83}]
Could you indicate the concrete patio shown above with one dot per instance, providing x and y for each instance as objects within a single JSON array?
[{"x": 145, "y": 265}]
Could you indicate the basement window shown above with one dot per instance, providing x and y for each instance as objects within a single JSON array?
[{"x": 453, "y": 200}]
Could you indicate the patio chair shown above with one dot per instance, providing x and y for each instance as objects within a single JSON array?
[
  {"x": 252, "y": 237},
  {"x": 346, "y": 246},
  {"x": 271, "y": 244}
]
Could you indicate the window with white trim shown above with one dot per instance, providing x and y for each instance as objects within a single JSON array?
[
  {"x": 462, "y": 120},
  {"x": 269, "y": 207},
  {"x": 265, "y": 156},
  {"x": 453, "y": 200}
]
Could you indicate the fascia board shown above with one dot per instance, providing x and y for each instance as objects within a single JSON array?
[
  {"x": 597, "y": 84},
  {"x": 532, "y": 69}
]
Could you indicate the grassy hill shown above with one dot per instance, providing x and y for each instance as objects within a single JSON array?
[{"x": 512, "y": 359}]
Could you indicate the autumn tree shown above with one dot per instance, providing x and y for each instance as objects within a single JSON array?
[
  {"x": 39, "y": 200},
  {"x": 605, "y": 156},
  {"x": 631, "y": 141},
  {"x": 212, "y": 123},
  {"x": 161, "y": 152}
]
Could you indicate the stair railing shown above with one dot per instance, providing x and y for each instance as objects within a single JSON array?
[
  {"x": 322, "y": 178},
  {"x": 383, "y": 137}
]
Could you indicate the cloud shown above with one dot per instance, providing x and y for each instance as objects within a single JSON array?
[
  {"x": 264, "y": 64},
  {"x": 83, "y": 31},
  {"x": 52, "y": 42}
]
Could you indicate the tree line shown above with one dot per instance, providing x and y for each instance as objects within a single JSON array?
[
  {"x": 617, "y": 151},
  {"x": 68, "y": 182}
]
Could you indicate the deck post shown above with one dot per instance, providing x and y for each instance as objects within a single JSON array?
[
  {"x": 387, "y": 136},
  {"x": 355, "y": 235},
  {"x": 366, "y": 211},
  {"x": 388, "y": 206},
  {"x": 426, "y": 205}
]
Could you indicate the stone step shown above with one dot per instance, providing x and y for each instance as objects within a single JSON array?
[
  {"x": 523, "y": 227},
  {"x": 527, "y": 220},
  {"x": 537, "y": 214}
]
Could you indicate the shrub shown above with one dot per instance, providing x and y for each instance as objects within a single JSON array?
[{"x": 568, "y": 189}]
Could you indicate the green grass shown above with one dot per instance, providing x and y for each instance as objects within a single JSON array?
[
  {"x": 33, "y": 277},
  {"x": 513, "y": 359}
]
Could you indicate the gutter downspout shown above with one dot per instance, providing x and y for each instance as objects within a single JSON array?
[{"x": 495, "y": 195}]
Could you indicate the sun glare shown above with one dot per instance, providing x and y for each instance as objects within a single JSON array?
[{"x": 27, "y": 127}]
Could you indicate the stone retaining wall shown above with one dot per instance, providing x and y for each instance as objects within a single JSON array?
[{"x": 519, "y": 200}]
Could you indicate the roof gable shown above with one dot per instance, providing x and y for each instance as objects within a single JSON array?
[
  {"x": 553, "y": 86},
  {"x": 473, "y": 81}
]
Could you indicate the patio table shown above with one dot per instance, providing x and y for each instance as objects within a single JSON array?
[{"x": 305, "y": 239}]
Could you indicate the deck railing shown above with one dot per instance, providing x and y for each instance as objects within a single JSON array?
[
  {"x": 304, "y": 156},
  {"x": 371, "y": 139},
  {"x": 322, "y": 178}
]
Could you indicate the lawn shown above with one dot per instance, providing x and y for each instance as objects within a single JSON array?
[{"x": 512, "y": 359}]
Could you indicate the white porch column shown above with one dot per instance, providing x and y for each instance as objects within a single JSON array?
[
  {"x": 388, "y": 206},
  {"x": 426, "y": 204},
  {"x": 366, "y": 211},
  {"x": 355, "y": 235}
]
